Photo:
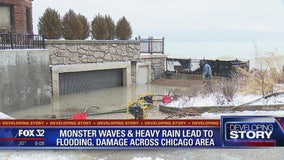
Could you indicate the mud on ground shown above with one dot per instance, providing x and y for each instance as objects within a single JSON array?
[
  {"x": 192, "y": 84},
  {"x": 183, "y": 80}
]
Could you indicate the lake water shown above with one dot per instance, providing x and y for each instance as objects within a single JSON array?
[{"x": 224, "y": 50}]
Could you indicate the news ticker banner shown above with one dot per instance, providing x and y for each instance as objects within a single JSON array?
[{"x": 230, "y": 131}]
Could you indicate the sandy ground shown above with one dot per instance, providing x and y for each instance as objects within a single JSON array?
[{"x": 180, "y": 80}]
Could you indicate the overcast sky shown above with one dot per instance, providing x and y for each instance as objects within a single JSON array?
[{"x": 185, "y": 20}]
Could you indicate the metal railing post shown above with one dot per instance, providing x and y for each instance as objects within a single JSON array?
[
  {"x": 163, "y": 45},
  {"x": 21, "y": 41},
  {"x": 12, "y": 40},
  {"x": 43, "y": 42}
]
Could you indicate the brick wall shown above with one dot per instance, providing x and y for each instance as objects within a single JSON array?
[{"x": 20, "y": 8}]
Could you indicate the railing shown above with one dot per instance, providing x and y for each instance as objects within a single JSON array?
[
  {"x": 151, "y": 45},
  {"x": 193, "y": 66},
  {"x": 21, "y": 41}
]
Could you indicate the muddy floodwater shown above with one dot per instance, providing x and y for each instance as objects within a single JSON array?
[
  {"x": 117, "y": 98},
  {"x": 98, "y": 101}
]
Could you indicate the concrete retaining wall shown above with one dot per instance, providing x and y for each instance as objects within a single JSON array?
[
  {"x": 154, "y": 60},
  {"x": 25, "y": 79}
]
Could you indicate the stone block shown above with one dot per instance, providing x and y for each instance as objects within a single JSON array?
[
  {"x": 91, "y": 59},
  {"x": 84, "y": 47},
  {"x": 108, "y": 57},
  {"x": 73, "y": 57},
  {"x": 94, "y": 48},
  {"x": 72, "y": 48},
  {"x": 61, "y": 54},
  {"x": 99, "y": 54},
  {"x": 81, "y": 51}
]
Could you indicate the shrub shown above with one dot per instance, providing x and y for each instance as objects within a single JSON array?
[
  {"x": 70, "y": 25},
  {"x": 99, "y": 28},
  {"x": 123, "y": 29},
  {"x": 229, "y": 90},
  {"x": 110, "y": 27},
  {"x": 265, "y": 79},
  {"x": 50, "y": 24},
  {"x": 74, "y": 26},
  {"x": 85, "y": 27}
]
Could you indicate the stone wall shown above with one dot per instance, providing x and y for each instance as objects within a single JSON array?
[
  {"x": 82, "y": 51},
  {"x": 25, "y": 79},
  {"x": 68, "y": 52},
  {"x": 86, "y": 52}
]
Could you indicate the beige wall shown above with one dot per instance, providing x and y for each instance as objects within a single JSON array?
[
  {"x": 84, "y": 51},
  {"x": 69, "y": 52}
]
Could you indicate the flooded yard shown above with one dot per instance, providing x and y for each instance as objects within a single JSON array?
[
  {"x": 114, "y": 99},
  {"x": 103, "y": 100}
]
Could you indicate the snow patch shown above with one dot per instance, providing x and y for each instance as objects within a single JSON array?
[
  {"x": 279, "y": 113},
  {"x": 146, "y": 158},
  {"x": 216, "y": 99},
  {"x": 5, "y": 116}
]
